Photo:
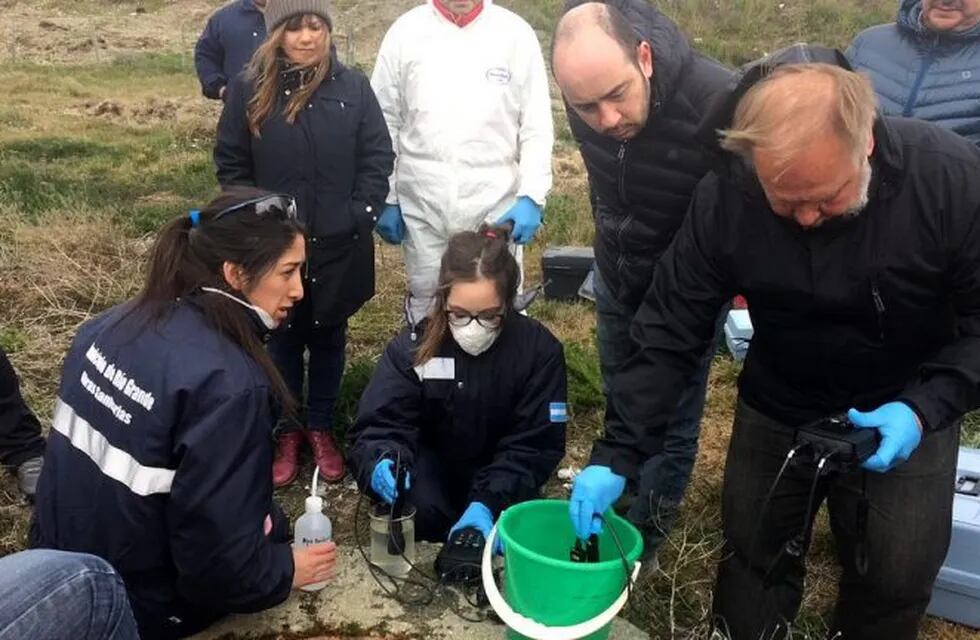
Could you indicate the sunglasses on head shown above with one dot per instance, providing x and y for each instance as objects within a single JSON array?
[{"x": 263, "y": 205}]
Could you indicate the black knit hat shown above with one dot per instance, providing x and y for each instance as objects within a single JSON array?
[{"x": 279, "y": 11}]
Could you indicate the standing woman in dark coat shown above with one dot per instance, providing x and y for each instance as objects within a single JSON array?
[{"x": 299, "y": 122}]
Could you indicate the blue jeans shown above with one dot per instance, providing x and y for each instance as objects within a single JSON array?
[
  {"x": 326, "y": 347},
  {"x": 664, "y": 477},
  {"x": 57, "y": 594}
]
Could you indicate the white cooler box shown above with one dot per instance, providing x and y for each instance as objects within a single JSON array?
[
  {"x": 956, "y": 594},
  {"x": 738, "y": 333}
]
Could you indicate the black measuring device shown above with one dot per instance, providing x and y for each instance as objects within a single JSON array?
[
  {"x": 836, "y": 440},
  {"x": 459, "y": 559}
]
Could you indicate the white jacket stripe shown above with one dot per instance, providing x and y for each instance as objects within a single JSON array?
[{"x": 112, "y": 461}]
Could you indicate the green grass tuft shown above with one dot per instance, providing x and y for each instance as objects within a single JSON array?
[
  {"x": 54, "y": 148},
  {"x": 584, "y": 379},
  {"x": 12, "y": 340},
  {"x": 357, "y": 374}
]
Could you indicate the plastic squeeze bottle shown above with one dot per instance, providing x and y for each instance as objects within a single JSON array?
[{"x": 313, "y": 527}]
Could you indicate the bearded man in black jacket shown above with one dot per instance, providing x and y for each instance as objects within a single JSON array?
[
  {"x": 634, "y": 93},
  {"x": 856, "y": 239}
]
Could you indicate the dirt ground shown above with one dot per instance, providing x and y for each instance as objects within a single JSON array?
[{"x": 64, "y": 32}]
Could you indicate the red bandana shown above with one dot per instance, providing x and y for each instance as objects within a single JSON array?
[{"x": 459, "y": 21}]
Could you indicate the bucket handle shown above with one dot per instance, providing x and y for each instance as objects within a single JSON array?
[{"x": 532, "y": 629}]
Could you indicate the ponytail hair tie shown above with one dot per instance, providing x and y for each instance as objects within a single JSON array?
[
  {"x": 490, "y": 233},
  {"x": 195, "y": 216}
]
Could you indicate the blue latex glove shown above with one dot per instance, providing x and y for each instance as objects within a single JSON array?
[
  {"x": 391, "y": 225},
  {"x": 594, "y": 491},
  {"x": 900, "y": 433},
  {"x": 526, "y": 216},
  {"x": 383, "y": 481},
  {"x": 476, "y": 515}
]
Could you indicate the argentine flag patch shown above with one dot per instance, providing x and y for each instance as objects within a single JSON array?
[{"x": 558, "y": 411}]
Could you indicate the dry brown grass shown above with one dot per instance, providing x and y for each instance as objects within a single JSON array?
[{"x": 54, "y": 275}]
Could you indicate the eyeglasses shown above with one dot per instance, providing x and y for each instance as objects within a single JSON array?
[
  {"x": 486, "y": 319},
  {"x": 263, "y": 205}
]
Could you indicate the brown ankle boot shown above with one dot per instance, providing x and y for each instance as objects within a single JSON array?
[
  {"x": 285, "y": 467},
  {"x": 327, "y": 456}
]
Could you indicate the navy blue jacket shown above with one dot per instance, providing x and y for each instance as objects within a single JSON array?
[
  {"x": 335, "y": 160},
  {"x": 919, "y": 73},
  {"x": 227, "y": 43},
  {"x": 641, "y": 188},
  {"x": 501, "y": 414},
  {"x": 158, "y": 461}
]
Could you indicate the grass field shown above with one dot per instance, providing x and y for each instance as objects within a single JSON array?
[{"x": 103, "y": 137}]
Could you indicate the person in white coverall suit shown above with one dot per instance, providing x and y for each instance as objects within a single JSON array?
[{"x": 464, "y": 90}]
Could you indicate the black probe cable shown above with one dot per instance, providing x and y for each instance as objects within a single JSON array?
[
  {"x": 428, "y": 590},
  {"x": 809, "y": 516},
  {"x": 769, "y": 496},
  {"x": 797, "y": 544},
  {"x": 395, "y": 590},
  {"x": 622, "y": 555},
  {"x": 750, "y": 560}
]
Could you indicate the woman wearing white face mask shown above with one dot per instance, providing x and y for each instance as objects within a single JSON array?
[
  {"x": 473, "y": 406},
  {"x": 161, "y": 442}
]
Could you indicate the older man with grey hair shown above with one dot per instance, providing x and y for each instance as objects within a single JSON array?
[{"x": 856, "y": 240}]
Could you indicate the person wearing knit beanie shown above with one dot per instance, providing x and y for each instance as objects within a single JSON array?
[
  {"x": 279, "y": 11},
  {"x": 300, "y": 121}
]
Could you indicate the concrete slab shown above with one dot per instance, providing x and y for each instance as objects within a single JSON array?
[{"x": 354, "y": 606}]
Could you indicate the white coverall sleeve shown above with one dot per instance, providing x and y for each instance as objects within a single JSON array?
[
  {"x": 386, "y": 82},
  {"x": 536, "y": 136}
]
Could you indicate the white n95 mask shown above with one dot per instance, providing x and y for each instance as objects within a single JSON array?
[
  {"x": 474, "y": 338},
  {"x": 269, "y": 322}
]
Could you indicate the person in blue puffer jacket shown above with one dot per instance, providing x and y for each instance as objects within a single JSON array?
[{"x": 926, "y": 65}]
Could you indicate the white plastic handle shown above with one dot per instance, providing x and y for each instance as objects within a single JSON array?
[{"x": 528, "y": 627}]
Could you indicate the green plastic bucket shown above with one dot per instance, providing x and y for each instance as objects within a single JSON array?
[{"x": 547, "y": 596}]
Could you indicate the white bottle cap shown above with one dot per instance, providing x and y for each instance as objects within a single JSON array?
[{"x": 314, "y": 504}]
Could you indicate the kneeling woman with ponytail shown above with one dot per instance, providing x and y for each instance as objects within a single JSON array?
[
  {"x": 473, "y": 404},
  {"x": 160, "y": 447}
]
